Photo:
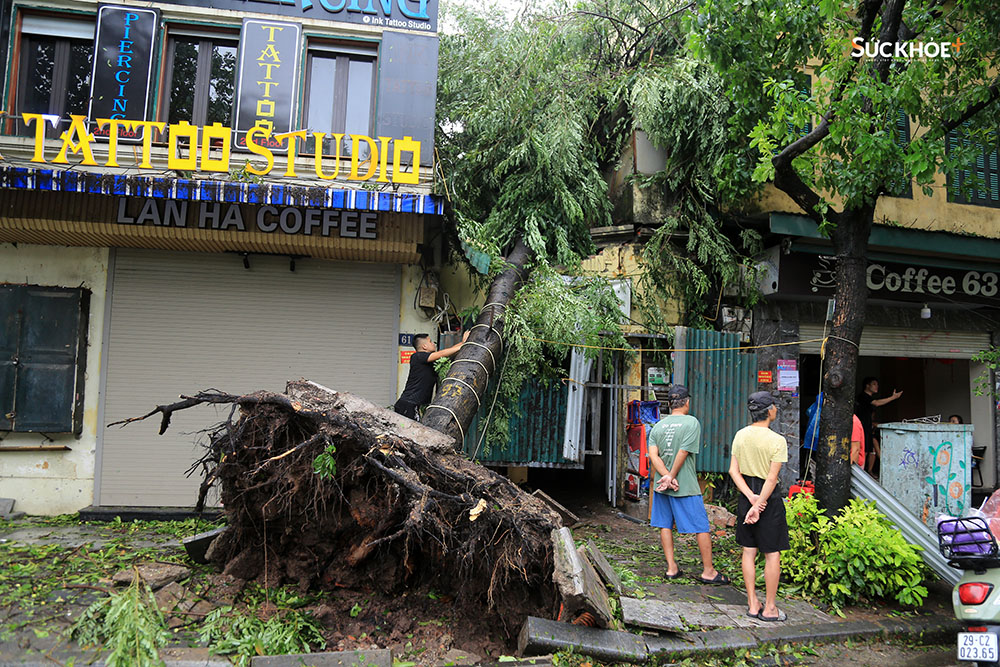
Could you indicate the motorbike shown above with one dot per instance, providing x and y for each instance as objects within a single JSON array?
[{"x": 969, "y": 545}]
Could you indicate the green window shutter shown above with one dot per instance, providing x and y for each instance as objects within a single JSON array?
[
  {"x": 900, "y": 184},
  {"x": 42, "y": 341}
]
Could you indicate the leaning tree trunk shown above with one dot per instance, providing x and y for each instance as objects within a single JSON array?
[
  {"x": 463, "y": 391},
  {"x": 833, "y": 460}
]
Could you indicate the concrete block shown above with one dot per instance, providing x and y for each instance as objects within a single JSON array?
[
  {"x": 604, "y": 567},
  {"x": 539, "y": 635},
  {"x": 727, "y": 640},
  {"x": 197, "y": 545},
  {"x": 674, "y": 646},
  {"x": 370, "y": 658},
  {"x": 6, "y": 507},
  {"x": 652, "y": 614},
  {"x": 579, "y": 586}
]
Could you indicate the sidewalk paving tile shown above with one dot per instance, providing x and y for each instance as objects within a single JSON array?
[{"x": 653, "y": 613}]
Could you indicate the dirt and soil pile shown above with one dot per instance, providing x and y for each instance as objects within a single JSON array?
[{"x": 324, "y": 490}]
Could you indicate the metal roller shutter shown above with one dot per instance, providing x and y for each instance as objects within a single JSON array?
[
  {"x": 184, "y": 322},
  {"x": 889, "y": 342}
]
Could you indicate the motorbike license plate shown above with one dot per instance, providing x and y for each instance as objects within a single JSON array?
[{"x": 979, "y": 646}]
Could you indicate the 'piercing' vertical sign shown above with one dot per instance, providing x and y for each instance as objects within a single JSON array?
[
  {"x": 123, "y": 62},
  {"x": 267, "y": 82}
]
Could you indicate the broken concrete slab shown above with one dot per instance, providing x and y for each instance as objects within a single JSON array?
[
  {"x": 155, "y": 575},
  {"x": 6, "y": 507},
  {"x": 579, "y": 586},
  {"x": 369, "y": 658},
  {"x": 540, "y": 635},
  {"x": 604, "y": 568},
  {"x": 197, "y": 545},
  {"x": 568, "y": 518},
  {"x": 652, "y": 614},
  {"x": 456, "y": 658}
]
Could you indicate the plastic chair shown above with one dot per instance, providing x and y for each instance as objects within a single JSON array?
[{"x": 977, "y": 456}]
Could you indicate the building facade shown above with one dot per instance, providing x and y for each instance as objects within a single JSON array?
[{"x": 201, "y": 195}]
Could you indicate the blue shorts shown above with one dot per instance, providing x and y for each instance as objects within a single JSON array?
[{"x": 688, "y": 512}]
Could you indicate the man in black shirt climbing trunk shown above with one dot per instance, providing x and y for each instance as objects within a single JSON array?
[{"x": 422, "y": 379}]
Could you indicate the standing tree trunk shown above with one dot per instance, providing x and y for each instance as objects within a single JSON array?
[
  {"x": 463, "y": 391},
  {"x": 850, "y": 244}
]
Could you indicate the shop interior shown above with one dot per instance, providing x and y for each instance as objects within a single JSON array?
[{"x": 931, "y": 388}]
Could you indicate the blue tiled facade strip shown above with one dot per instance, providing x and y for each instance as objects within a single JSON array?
[{"x": 20, "y": 178}]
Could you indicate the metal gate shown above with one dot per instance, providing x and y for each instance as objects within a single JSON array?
[{"x": 720, "y": 377}]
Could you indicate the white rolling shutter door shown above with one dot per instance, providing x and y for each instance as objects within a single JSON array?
[
  {"x": 184, "y": 322},
  {"x": 890, "y": 342}
]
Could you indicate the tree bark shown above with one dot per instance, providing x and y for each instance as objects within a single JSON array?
[
  {"x": 463, "y": 391},
  {"x": 850, "y": 243}
]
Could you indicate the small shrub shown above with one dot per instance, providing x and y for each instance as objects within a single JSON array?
[{"x": 858, "y": 553}]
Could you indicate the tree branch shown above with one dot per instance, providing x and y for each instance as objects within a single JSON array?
[
  {"x": 789, "y": 182},
  {"x": 973, "y": 109}
]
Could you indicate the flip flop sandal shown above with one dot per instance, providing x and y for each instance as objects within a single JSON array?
[
  {"x": 676, "y": 575},
  {"x": 719, "y": 578},
  {"x": 752, "y": 615},
  {"x": 772, "y": 619}
]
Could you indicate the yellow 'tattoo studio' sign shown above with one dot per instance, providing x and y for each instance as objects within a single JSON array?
[{"x": 78, "y": 140}]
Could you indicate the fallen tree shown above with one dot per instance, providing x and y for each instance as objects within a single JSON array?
[{"x": 323, "y": 489}]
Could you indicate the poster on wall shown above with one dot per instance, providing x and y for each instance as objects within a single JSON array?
[
  {"x": 267, "y": 80},
  {"x": 123, "y": 62},
  {"x": 788, "y": 375}
]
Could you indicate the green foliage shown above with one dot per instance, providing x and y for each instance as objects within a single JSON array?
[
  {"x": 990, "y": 357},
  {"x": 243, "y": 634},
  {"x": 581, "y": 310},
  {"x": 129, "y": 624},
  {"x": 682, "y": 106},
  {"x": 325, "y": 465},
  {"x": 859, "y": 553},
  {"x": 761, "y": 48},
  {"x": 515, "y": 107}
]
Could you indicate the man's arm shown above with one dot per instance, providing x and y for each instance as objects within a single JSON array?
[
  {"x": 669, "y": 480},
  {"x": 879, "y": 402},
  {"x": 765, "y": 492},
  {"x": 448, "y": 351}
]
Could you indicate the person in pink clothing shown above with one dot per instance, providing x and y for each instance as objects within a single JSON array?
[{"x": 857, "y": 442}]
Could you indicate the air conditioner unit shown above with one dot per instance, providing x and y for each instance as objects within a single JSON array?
[{"x": 737, "y": 320}]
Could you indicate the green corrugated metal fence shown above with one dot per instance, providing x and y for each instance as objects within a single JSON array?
[
  {"x": 720, "y": 382},
  {"x": 536, "y": 436}
]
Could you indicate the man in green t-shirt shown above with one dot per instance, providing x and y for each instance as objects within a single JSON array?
[{"x": 675, "y": 497}]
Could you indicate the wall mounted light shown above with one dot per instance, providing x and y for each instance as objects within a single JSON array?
[{"x": 925, "y": 312}]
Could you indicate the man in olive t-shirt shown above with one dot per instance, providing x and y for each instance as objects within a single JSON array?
[{"x": 675, "y": 497}]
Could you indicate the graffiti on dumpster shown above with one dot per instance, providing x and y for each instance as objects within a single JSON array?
[
  {"x": 909, "y": 458},
  {"x": 954, "y": 485}
]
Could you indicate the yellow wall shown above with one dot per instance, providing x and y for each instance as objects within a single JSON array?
[
  {"x": 934, "y": 213},
  {"x": 57, "y": 482},
  {"x": 622, "y": 262}
]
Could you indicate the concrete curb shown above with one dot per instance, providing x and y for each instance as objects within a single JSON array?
[{"x": 544, "y": 636}]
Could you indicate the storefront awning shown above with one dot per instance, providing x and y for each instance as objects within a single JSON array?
[
  {"x": 911, "y": 240},
  {"x": 233, "y": 192}
]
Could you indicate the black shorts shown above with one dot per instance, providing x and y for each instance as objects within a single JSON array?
[{"x": 770, "y": 532}]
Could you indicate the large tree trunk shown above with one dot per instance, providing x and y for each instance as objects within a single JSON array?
[
  {"x": 479, "y": 361},
  {"x": 850, "y": 244}
]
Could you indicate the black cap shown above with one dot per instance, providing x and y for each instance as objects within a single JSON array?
[
  {"x": 677, "y": 392},
  {"x": 760, "y": 400}
]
